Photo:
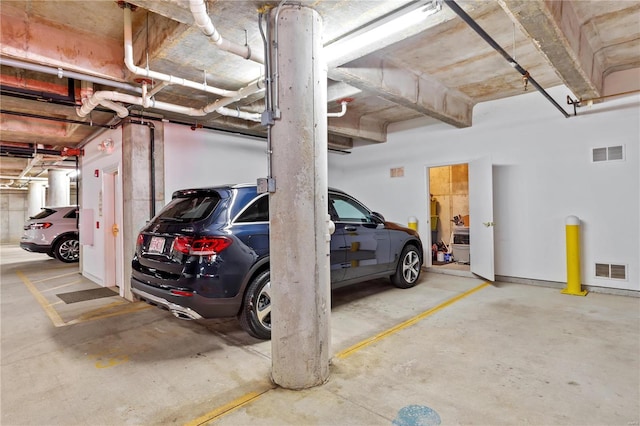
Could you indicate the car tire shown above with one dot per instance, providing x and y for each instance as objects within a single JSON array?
[
  {"x": 51, "y": 254},
  {"x": 255, "y": 316},
  {"x": 67, "y": 249},
  {"x": 408, "y": 269}
]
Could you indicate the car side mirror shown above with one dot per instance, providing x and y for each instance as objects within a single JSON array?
[{"x": 377, "y": 217}]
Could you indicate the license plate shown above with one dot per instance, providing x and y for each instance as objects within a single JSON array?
[{"x": 156, "y": 245}]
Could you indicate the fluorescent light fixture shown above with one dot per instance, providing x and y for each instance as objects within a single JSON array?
[{"x": 376, "y": 31}]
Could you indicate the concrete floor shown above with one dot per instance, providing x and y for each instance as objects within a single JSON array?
[{"x": 452, "y": 350}]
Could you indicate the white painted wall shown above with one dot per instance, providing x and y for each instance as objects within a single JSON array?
[
  {"x": 542, "y": 173},
  {"x": 91, "y": 188},
  {"x": 204, "y": 158}
]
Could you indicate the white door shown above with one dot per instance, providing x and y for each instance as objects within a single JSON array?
[
  {"x": 112, "y": 230},
  {"x": 481, "y": 218}
]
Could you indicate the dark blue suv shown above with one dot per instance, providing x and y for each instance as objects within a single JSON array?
[{"x": 206, "y": 254}]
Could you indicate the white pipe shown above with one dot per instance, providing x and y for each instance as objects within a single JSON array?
[
  {"x": 251, "y": 116},
  {"x": 255, "y": 87},
  {"x": 199, "y": 11},
  {"x": 341, "y": 113},
  {"x": 119, "y": 109},
  {"x": 157, "y": 88},
  {"x": 128, "y": 61},
  {"x": 100, "y": 97}
]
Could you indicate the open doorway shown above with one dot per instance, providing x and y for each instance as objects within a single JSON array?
[{"x": 449, "y": 211}]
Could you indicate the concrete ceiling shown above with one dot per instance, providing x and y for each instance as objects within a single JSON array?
[{"x": 437, "y": 68}]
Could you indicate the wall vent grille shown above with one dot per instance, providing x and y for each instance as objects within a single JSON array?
[
  {"x": 608, "y": 153},
  {"x": 612, "y": 271}
]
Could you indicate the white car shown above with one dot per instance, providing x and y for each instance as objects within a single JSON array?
[{"x": 53, "y": 231}]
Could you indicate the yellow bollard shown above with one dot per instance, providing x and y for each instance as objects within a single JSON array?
[
  {"x": 413, "y": 223},
  {"x": 574, "y": 285}
]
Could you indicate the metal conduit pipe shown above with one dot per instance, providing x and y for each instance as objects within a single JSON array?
[
  {"x": 68, "y": 74},
  {"x": 129, "y": 62},
  {"x": 482, "y": 33},
  {"x": 199, "y": 11}
]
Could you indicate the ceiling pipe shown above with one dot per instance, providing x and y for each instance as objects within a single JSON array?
[
  {"x": 67, "y": 74},
  {"x": 23, "y": 178},
  {"x": 146, "y": 72},
  {"x": 121, "y": 110},
  {"x": 203, "y": 21},
  {"x": 32, "y": 162},
  {"x": 28, "y": 151},
  {"x": 62, "y": 120},
  {"x": 343, "y": 111},
  {"x": 482, "y": 33},
  {"x": 99, "y": 98}
]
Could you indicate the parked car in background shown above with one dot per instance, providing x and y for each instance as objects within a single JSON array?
[
  {"x": 206, "y": 254},
  {"x": 53, "y": 231}
]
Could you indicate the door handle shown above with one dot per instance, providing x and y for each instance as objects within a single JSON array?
[
  {"x": 488, "y": 224},
  {"x": 115, "y": 229},
  {"x": 349, "y": 228}
]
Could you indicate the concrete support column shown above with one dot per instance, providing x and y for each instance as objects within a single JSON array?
[
  {"x": 142, "y": 185},
  {"x": 35, "y": 197},
  {"x": 59, "y": 190},
  {"x": 299, "y": 244}
]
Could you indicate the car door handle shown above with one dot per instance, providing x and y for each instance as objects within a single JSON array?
[{"x": 349, "y": 228}]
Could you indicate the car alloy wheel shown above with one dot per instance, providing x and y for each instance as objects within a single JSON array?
[
  {"x": 255, "y": 317},
  {"x": 68, "y": 250},
  {"x": 408, "y": 269}
]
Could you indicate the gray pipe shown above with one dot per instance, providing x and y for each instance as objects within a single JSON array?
[{"x": 68, "y": 74}]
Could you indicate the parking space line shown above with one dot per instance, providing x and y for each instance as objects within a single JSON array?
[
  {"x": 53, "y": 315},
  {"x": 127, "y": 308},
  {"x": 363, "y": 344},
  {"x": 61, "y": 286},
  {"x": 249, "y": 397},
  {"x": 56, "y": 276},
  {"x": 227, "y": 408},
  {"x": 96, "y": 314}
]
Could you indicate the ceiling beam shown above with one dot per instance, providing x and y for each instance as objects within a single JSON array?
[
  {"x": 30, "y": 38},
  {"x": 171, "y": 9},
  {"x": 560, "y": 37},
  {"x": 417, "y": 92}
]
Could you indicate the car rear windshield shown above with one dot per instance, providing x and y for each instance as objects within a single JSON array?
[
  {"x": 44, "y": 213},
  {"x": 190, "y": 207}
]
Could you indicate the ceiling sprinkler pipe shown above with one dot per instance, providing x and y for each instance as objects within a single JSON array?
[{"x": 486, "y": 37}]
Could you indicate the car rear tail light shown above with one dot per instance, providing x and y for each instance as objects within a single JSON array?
[
  {"x": 182, "y": 293},
  {"x": 182, "y": 244},
  {"x": 139, "y": 241},
  {"x": 41, "y": 225},
  {"x": 201, "y": 246}
]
